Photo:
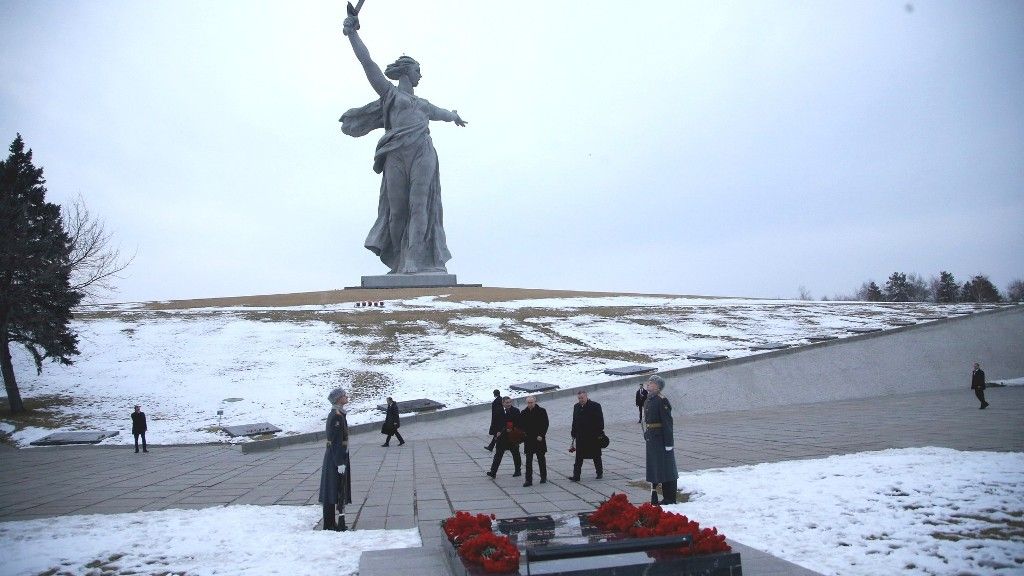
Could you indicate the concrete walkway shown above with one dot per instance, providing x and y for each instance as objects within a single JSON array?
[{"x": 441, "y": 468}]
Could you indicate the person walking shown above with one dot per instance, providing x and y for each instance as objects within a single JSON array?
[
  {"x": 661, "y": 460},
  {"x": 977, "y": 384},
  {"x": 139, "y": 428},
  {"x": 391, "y": 424},
  {"x": 335, "y": 475},
  {"x": 587, "y": 431},
  {"x": 641, "y": 397},
  {"x": 497, "y": 419},
  {"x": 534, "y": 423},
  {"x": 506, "y": 439}
]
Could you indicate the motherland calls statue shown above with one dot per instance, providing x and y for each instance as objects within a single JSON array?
[{"x": 408, "y": 235}]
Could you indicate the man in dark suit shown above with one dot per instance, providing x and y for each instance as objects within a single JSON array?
[
  {"x": 391, "y": 424},
  {"x": 497, "y": 414},
  {"x": 509, "y": 417},
  {"x": 641, "y": 397},
  {"x": 978, "y": 384},
  {"x": 139, "y": 428},
  {"x": 587, "y": 430},
  {"x": 534, "y": 423}
]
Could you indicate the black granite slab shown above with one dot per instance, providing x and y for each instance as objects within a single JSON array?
[
  {"x": 533, "y": 387},
  {"x": 569, "y": 545},
  {"x": 708, "y": 356},
  {"x": 822, "y": 337},
  {"x": 864, "y": 330},
  {"x": 81, "y": 437},
  {"x": 416, "y": 405},
  {"x": 630, "y": 370},
  {"x": 770, "y": 346},
  {"x": 251, "y": 429}
]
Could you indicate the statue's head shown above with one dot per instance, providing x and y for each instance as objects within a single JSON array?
[{"x": 404, "y": 66}]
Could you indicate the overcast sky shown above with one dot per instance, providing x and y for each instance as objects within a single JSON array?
[{"x": 716, "y": 148}]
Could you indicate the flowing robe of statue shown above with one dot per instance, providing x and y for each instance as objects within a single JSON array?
[{"x": 410, "y": 241}]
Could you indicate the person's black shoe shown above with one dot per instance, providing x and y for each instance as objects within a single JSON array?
[
  {"x": 491, "y": 474},
  {"x": 574, "y": 478},
  {"x": 985, "y": 405},
  {"x": 136, "y": 450},
  {"x": 599, "y": 474},
  {"x": 543, "y": 480},
  {"x": 402, "y": 443},
  {"x": 518, "y": 473},
  {"x": 144, "y": 450},
  {"x": 489, "y": 448},
  {"x": 384, "y": 445},
  {"x": 341, "y": 526},
  {"x": 527, "y": 483}
]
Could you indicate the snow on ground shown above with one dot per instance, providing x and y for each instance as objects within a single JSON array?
[
  {"x": 276, "y": 364},
  {"x": 233, "y": 540},
  {"x": 921, "y": 511},
  {"x": 1009, "y": 382}
]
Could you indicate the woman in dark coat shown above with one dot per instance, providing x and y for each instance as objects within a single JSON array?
[
  {"x": 661, "y": 459},
  {"x": 534, "y": 423},
  {"x": 587, "y": 430},
  {"x": 335, "y": 476},
  {"x": 391, "y": 424}
]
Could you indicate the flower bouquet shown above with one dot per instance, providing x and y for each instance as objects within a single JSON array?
[
  {"x": 618, "y": 515},
  {"x": 478, "y": 544}
]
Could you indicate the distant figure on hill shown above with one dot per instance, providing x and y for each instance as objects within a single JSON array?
[
  {"x": 978, "y": 385},
  {"x": 641, "y": 397},
  {"x": 139, "y": 428},
  {"x": 497, "y": 419},
  {"x": 391, "y": 424}
]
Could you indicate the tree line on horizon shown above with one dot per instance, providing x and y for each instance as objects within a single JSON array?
[{"x": 941, "y": 289}]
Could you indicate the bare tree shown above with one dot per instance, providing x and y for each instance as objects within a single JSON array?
[
  {"x": 95, "y": 264},
  {"x": 805, "y": 294}
]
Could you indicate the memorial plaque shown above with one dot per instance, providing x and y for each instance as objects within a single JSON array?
[
  {"x": 963, "y": 312},
  {"x": 533, "y": 387},
  {"x": 569, "y": 545},
  {"x": 417, "y": 405},
  {"x": 864, "y": 330},
  {"x": 822, "y": 337},
  {"x": 708, "y": 356},
  {"x": 929, "y": 318},
  {"x": 630, "y": 370},
  {"x": 66, "y": 438},
  {"x": 251, "y": 429},
  {"x": 770, "y": 346},
  {"x": 902, "y": 322}
]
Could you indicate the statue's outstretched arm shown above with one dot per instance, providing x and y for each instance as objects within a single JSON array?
[
  {"x": 438, "y": 113},
  {"x": 377, "y": 80}
]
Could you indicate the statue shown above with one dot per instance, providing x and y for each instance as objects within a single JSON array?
[{"x": 408, "y": 235}]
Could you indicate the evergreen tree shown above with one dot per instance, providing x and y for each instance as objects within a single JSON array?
[
  {"x": 944, "y": 288},
  {"x": 1015, "y": 291},
  {"x": 870, "y": 292},
  {"x": 897, "y": 289},
  {"x": 980, "y": 289},
  {"x": 36, "y": 297}
]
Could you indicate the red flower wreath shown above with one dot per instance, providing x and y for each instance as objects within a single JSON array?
[
  {"x": 617, "y": 514},
  {"x": 494, "y": 553},
  {"x": 464, "y": 526}
]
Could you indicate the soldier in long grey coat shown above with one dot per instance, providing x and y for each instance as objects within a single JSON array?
[
  {"x": 661, "y": 459},
  {"x": 335, "y": 475}
]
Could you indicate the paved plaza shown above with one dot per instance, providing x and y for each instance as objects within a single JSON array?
[{"x": 441, "y": 468}]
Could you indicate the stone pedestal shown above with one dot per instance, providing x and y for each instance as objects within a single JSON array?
[{"x": 409, "y": 281}]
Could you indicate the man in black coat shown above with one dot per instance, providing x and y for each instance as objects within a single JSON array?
[
  {"x": 977, "y": 383},
  {"x": 534, "y": 423},
  {"x": 497, "y": 422},
  {"x": 509, "y": 415},
  {"x": 391, "y": 424},
  {"x": 587, "y": 430},
  {"x": 641, "y": 397},
  {"x": 139, "y": 428}
]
